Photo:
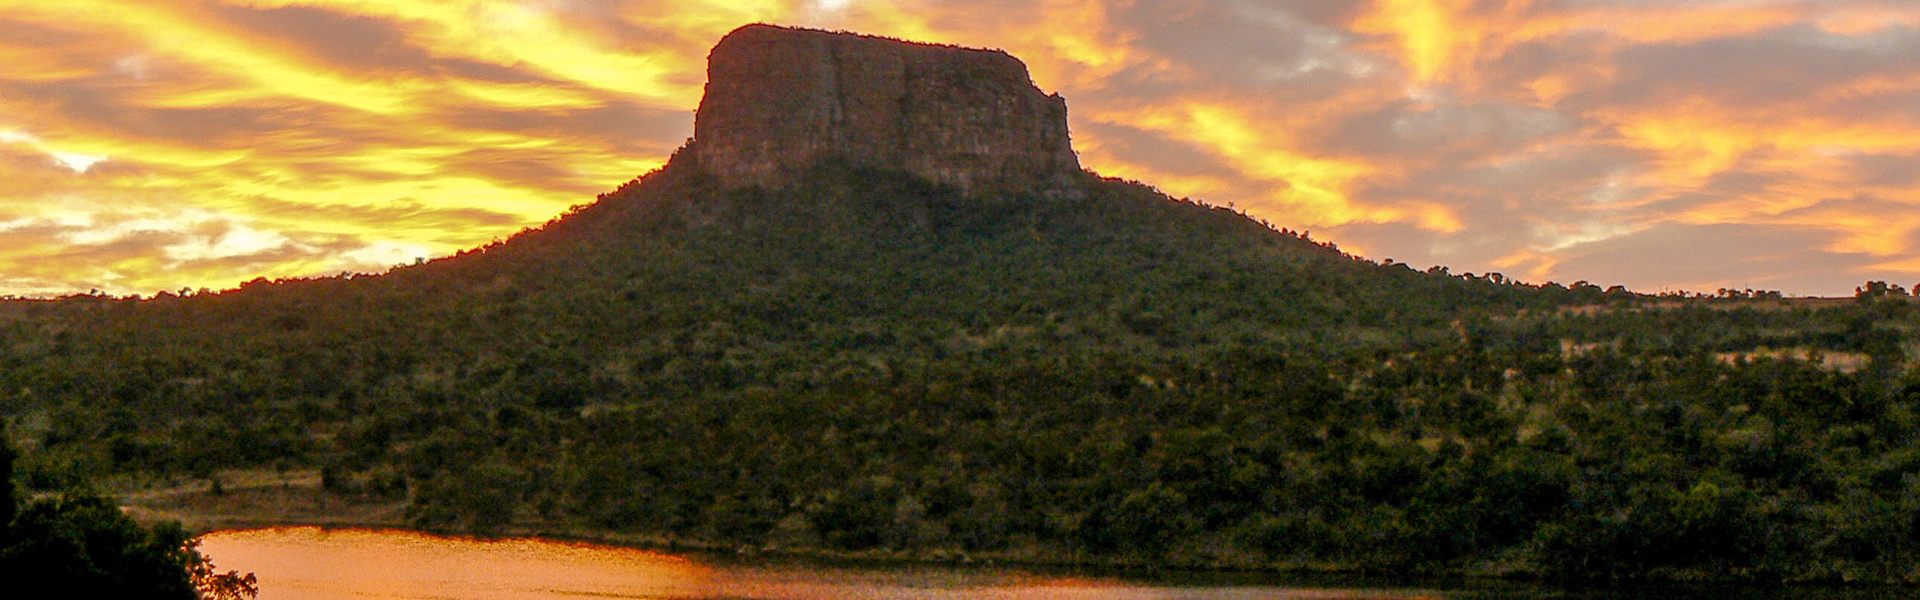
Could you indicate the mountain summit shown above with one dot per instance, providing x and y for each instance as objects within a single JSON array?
[{"x": 780, "y": 99}]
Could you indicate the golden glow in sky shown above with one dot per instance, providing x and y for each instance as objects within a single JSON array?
[{"x": 150, "y": 145}]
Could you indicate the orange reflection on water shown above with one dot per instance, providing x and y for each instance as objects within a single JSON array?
[
  {"x": 308, "y": 563},
  {"x": 301, "y": 563}
]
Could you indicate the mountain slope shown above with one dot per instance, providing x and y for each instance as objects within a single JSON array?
[
  {"x": 867, "y": 360},
  {"x": 998, "y": 355}
]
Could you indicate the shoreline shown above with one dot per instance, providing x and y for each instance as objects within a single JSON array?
[
  {"x": 257, "y": 500},
  {"x": 249, "y": 500}
]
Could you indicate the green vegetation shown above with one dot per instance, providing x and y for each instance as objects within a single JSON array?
[
  {"x": 870, "y": 362},
  {"x": 79, "y": 544}
]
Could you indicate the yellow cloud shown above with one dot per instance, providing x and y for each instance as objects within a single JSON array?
[
  {"x": 1432, "y": 33},
  {"x": 514, "y": 34},
  {"x": 1692, "y": 148},
  {"x": 1314, "y": 184},
  {"x": 1309, "y": 190},
  {"x": 25, "y": 62},
  {"x": 1079, "y": 34},
  {"x": 1440, "y": 41},
  {"x": 1532, "y": 265},
  {"x": 1805, "y": 158},
  {"x": 1698, "y": 141},
  {"x": 525, "y": 95},
  {"x": 254, "y": 69},
  {"x": 702, "y": 22},
  {"x": 398, "y": 138}
]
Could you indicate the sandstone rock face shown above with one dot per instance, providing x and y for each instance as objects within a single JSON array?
[{"x": 779, "y": 99}]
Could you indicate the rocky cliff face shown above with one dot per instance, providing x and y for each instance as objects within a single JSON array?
[{"x": 780, "y": 99}]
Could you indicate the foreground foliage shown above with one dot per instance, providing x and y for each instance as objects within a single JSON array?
[
  {"x": 869, "y": 362},
  {"x": 79, "y": 544}
]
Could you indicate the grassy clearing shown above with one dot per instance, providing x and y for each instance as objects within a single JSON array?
[{"x": 245, "y": 499}]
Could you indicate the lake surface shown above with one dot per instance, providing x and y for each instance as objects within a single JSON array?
[
  {"x": 309, "y": 563},
  {"x": 302, "y": 563}
]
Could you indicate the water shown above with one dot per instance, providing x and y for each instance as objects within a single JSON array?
[
  {"x": 308, "y": 563},
  {"x": 301, "y": 563}
]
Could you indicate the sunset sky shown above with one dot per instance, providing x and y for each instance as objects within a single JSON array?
[{"x": 151, "y": 145}]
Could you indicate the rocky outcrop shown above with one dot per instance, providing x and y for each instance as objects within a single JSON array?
[{"x": 779, "y": 100}]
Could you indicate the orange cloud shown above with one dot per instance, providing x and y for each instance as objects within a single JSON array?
[
  {"x": 1804, "y": 159},
  {"x": 1857, "y": 19},
  {"x": 1441, "y": 41},
  {"x": 150, "y": 145},
  {"x": 1670, "y": 24}
]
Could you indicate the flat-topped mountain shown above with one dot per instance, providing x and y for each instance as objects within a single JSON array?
[
  {"x": 841, "y": 321},
  {"x": 779, "y": 99}
]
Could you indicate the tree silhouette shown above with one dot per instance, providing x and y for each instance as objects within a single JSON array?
[{"x": 81, "y": 544}]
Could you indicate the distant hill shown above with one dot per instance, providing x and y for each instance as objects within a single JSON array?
[{"x": 855, "y": 351}]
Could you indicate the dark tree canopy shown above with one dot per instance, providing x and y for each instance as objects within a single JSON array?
[{"x": 80, "y": 545}]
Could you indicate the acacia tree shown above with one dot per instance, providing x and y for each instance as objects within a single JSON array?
[{"x": 1878, "y": 289}]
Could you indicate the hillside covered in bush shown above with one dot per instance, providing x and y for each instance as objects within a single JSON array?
[{"x": 866, "y": 361}]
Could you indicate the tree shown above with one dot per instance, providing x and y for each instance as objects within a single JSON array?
[
  {"x": 1877, "y": 289},
  {"x": 81, "y": 544},
  {"x": 215, "y": 585}
]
